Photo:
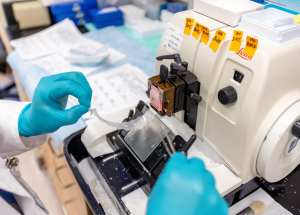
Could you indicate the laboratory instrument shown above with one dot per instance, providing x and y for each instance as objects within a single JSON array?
[{"x": 243, "y": 109}]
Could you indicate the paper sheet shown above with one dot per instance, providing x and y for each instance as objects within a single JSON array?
[
  {"x": 56, "y": 63},
  {"x": 117, "y": 89},
  {"x": 55, "y": 38},
  {"x": 172, "y": 38},
  {"x": 272, "y": 207}
]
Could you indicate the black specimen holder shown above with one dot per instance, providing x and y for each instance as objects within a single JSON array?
[{"x": 187, "y": 88}]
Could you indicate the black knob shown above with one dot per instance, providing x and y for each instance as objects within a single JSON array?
[
  {"x": 185, "y": 64},
  {"x": 296, "y": 129},
  {"x": 196, "y": 97},
  {"x": 227, "y": 95}
]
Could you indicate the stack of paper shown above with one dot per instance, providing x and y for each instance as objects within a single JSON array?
[{"x": 53, "y": 50}]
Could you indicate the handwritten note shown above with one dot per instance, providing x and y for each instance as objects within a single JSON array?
[
  {"x": 197, "y": 31},
  {"x": 172, "y": 38},
  {"x": 251, "y": 46},
  {"x": 188, "y": 26},
  {"x": 236, "y": 41},
  {"x": 218, "y": 38},
  {"x": 205, "y": 35}
]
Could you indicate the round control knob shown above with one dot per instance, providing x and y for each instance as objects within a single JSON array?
[
  {"x": 296, "y": 129},
  {"x": 227, "y": 95}
]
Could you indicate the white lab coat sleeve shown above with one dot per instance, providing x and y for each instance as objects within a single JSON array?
[{"x": 11, "y": 143}]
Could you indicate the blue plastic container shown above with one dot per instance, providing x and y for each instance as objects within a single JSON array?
[
  {"x": 59, "y": 19},
  {"x": 114, "y": 22},
  {"x": 70, "y": 15},
  {"x": 68, "y": 7},
  {"x": 104, "y": 14},
  {"x": 176, "y": 7}
]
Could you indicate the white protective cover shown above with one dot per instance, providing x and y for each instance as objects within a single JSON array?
[
  {"x": 226, "y": 11},
  {"x": 261, "y": 24}
]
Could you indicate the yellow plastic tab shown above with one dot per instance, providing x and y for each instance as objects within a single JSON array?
[
  {"x": 197, "y": 30},
  {"x": 296, "y": 18},
  {"x": 205, "y": 35},
  {"x": 236, "y": 41},
  {"x": 251, "y": 46},
  {"x": 188, "y": 26},
  {"x": 216, "y": 41}
]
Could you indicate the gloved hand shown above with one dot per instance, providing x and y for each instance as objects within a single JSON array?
[
  {"x": 185, "y": 188},
  {"x": 47, "y": 113}
]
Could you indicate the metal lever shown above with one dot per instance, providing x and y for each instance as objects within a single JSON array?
[
  {"x": 13, "y": 165},
  {"x": 175, "y": 57},
  {"x": 52, "y": 150},
  {"x": 132, "y": 184},
  {"x": 189, "y": 143},
  {"x": 163, "y": 73}
]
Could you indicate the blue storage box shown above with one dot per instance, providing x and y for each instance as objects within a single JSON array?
[
  {"x": 176, "y": 7},
  {"x": 59, "y": 19},
  {"x": 106, "y": 13},
  {"x": 115, "y": 22},
  {"x": 70, "y": 15},
  {"x": 68, "y": 7}
]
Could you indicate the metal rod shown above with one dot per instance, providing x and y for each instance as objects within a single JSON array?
[
  {"x": 128, "y": 186},
  {"x": 171, "y": 144},
  {"x": 166, "y": 147},
  {"x": 111, "y": 157}
]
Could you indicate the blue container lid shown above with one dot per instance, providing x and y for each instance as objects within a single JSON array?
[
  {"x": 68, "y": 7},
  {"x": 114, "y": 22},
  {"x": 71, "y": 15},
  {"x": 176, "y": 7},
  {"x": 106, "y": 13}
]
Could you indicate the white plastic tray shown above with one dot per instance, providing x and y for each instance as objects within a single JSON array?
[
  {"x": 261, "y": 23},
  {"x": 226, "y": 11}
]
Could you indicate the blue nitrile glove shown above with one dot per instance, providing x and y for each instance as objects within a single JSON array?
[
  {"x": 47, "y": 113},
  {"x": 185, "y": 188}
]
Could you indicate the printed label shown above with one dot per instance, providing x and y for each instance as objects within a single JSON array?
[
  {"x": 172, "y": 38},
  {"x": 243, "y": 55},
  {"x": 218, "y": 38}
]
